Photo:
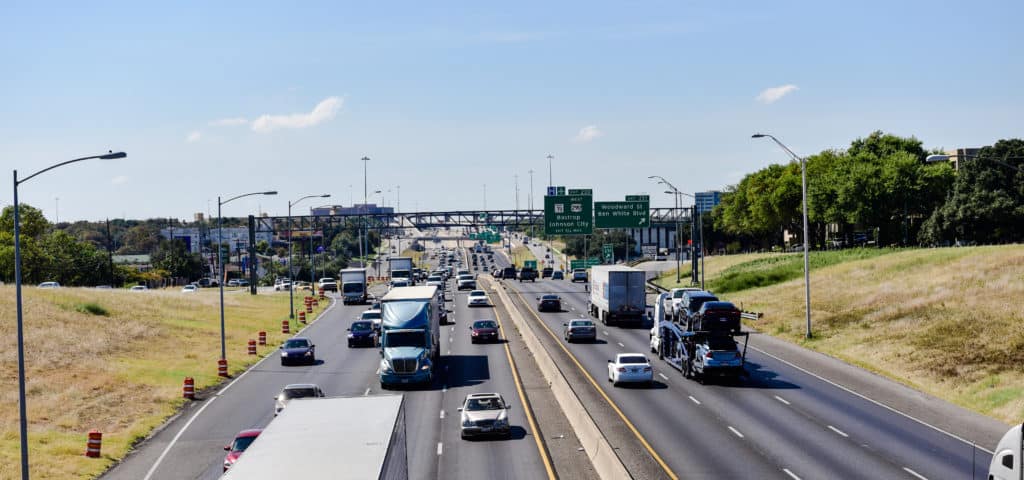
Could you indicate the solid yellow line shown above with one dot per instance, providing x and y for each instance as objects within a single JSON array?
[
  {"x": 643, "y": 441},
  {"x": 522, "y": 398}
]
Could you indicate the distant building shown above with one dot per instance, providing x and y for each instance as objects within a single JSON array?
[
  {"x": 955, "y": 156},
  {"x": 236, "y": 237},
  {"x": 705, "y": 201},
  {"x": 357, "y": 209}
]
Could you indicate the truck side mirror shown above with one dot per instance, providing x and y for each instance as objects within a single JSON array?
[{"x": 227, "y": 448}]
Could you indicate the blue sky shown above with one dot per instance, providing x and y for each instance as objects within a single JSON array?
[{"x": 222, "y": 98}]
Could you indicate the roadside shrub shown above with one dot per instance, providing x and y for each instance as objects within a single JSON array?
[{"x": 92, "y": 308}]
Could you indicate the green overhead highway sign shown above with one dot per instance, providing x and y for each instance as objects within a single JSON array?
[
  {"x": 622, "y": 214},
  {"x": 568, "y": 215},
  {"x": 638, "y": 198},
  {"x": 530, "y": 264},
  {"x": 581, "y": 191},
  {"x": 590, "y": 262}
]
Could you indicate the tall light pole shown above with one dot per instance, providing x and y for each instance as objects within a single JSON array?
[
  {"x": 220, "y": 263},
  {"x": 364, "y": 251},
  {"x": 673, "y": 189},
  {"x": 803, "y": 187},
  {"x": 531, "y": 202},
  {"x": 551, "y": 181},
  {"x": 398, "y": 198},
  {"x": 291, "y": 280},
  {"x": 517, "y": 191},
  {"x": 22, "y": 414}
]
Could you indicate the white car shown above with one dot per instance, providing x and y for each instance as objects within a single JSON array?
[
  {"x": 139, "y": 288},
  {"x": 630, "y": 368},
  {"x": 371, "y": 315},
  {"x": 399, "y": 283},
  {"x": 484, "y": 414},
  {"x": 49, "y": 285},
  {"x": 283, "y": 285},
  {"x": 293, "y": 391},
  {"x": 477, "y": 298},
  {"x": 189, "y": 289},
  {"x": 676, "y": 294}
]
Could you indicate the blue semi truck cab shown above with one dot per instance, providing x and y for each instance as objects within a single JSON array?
[{"x": 410, "y": 333}]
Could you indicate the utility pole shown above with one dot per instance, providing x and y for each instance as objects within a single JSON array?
[
  {"x": 398, "y": 198},
  {"x": 364, "y": 250},
  {"x": 517, "y": 190},
  {"x": 110, "y": 256},
  {"x": 531, "y": 201}
]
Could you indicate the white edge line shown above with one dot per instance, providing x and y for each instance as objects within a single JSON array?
[
  {"x": 442, "y": 413},
  {"x": 791, "y": 474},
  {"x": 737, "y": 432},
  {"x": 918, "y": 475},
  {"x": 834, "y": 429},
  {"x": 367, "y": 392},
  {"x": 880, "y": 404},
  {"x": 169, "y": 446},
  {"x": 440, "y": 447},
  {"x": 783, "y": 400},
  {"x": 621, "y": 345},
  {"x": 662, "y": 375},
  {"x": 694, "y": 400}
]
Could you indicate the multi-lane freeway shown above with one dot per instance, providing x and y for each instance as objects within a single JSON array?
[
  {"x": 191, "y": 445},
  {"x": 779, "y": 422}
]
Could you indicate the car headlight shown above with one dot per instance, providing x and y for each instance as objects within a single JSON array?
[
  {"x": 284, "y": 354},
  {"x": 467, "y": 422},
  {"x": 351, "y": 336},
  {"x": 385, "y": 367}
]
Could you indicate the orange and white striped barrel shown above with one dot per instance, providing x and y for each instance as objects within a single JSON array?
[
  {"x": 285, "y": 326},
  {"x": 222, "y": 367},
  {"x": 302, "y": 316},
  {"x": 252, "y": 347},
  {"x": 93, "y": 445},
  {"x": 263, "y": 338},
  {"x": 188, "y": 389}
]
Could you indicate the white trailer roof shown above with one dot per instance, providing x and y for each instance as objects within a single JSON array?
[
  {"x": 616, "y": 268},
  {"x": 349, "y": 270},
  {"x": 410, "y": 293},
  {"x": 338, "y": 438}
]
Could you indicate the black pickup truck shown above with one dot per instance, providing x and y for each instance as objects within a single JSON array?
[{"x": 528, "y": 274}]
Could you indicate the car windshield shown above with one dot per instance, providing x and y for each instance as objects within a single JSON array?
[
  {"x": 374, "y": 315},
  {"x": 403, "y": 339},
  {"x": 582, "y": 323},
  {"x": 296, "y": 343},
  {"x": 719, "y": 305},
  {"x": 361, "y": 326},
  {"x": 632, "y": 359},
  {"x": 696, "y": 302},
  {"x": 678, "y": 294},
  {"x": 550, "y": 297},
  {"x": 241, "y": 443},
  {"x": 326, "y": 280},
  {"x": 477, "y": 293},
  {"x": 485, "y": 324},
  {"x": 490, "y": 403},
  {"x": 352, "y": 288},
  {"x": 302, "y": 392}
]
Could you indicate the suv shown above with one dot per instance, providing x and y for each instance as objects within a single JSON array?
[
  {"x": 691, "y": 303},
  {"x": 509, "y": 273},
  {"x": 579, "y": 275},
  {"x": 546, "y": 273},
  {"x": 676, "y": 296},
  {"x": 466, "y": 282},
  {"x": 528, "y": 274},
  {"x": 328, "y": 284},
  {"x": 717, "y": 316}
]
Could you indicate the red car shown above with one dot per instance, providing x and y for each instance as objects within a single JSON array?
[
  {"x": 483, "y": 331},
  {"x": 241, "y": 442}
]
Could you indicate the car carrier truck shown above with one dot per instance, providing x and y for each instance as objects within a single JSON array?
[{"x": 699, "y": 354}]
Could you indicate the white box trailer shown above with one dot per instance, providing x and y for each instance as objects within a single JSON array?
[
  {"x": 338, "y": 438},
  {"x": 617, "y": 293},
  {"x": 353, "y": 285}
]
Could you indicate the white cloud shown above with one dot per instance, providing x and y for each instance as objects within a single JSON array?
[
  {"x": 229, "y": 122},
  {"x": 119, "y": 180},
  {"x": 324, "y": 111},
  {"x": 587, "y": 134},
  {"x": 193, "y": 137},
  {"x": 773, "y": 94}
]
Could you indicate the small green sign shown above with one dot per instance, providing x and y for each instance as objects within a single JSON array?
[
  {"x": 560, "y": 191},
  {"x": 622, "y": 214},
  {"x": 638, "y": 198},
  {"x": 581, "y": 191},
  {"x": 590, "y": 262},
  {"x": 608, "y": 252},
  {"x": 530, "y": 264}
]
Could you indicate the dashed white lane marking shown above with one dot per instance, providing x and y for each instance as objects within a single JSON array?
[
  {"x": 694, "y": 400},
  {"x": 918, "y": 475},
  {"x": 834, "y": 429},
  {"x": 662, "y": 375},
  {"x": 156, "y": 464},
  {"x": 367, "y": 392},
  {"x": 378, "y": 370},
  {"x": 737, "y": 432},
  {"x": 440, "y": 447},
  {"x": 783, "y": 400},
  {"x": 604, "y": 332},
  {"x": 442, "y": 414},
  {"x": 621, "y": 345},
  {"x": 444, "y": 389},
  {"x": 791, "y": 474}
]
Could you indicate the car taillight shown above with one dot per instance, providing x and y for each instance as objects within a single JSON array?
[
  {"x": 709, "y": 355},
  {"x": 647, "y": 369},
  {"x": 622, "y": 369},
  {"x": 474, "y": 333}
]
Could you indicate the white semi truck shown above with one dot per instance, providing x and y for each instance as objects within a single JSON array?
[
  {"x": 339, "y": 438},
  {"x": 400, "y": 268},
  {"x": 353, "y": 285},
  {"x": 1006, "y": 462},
  {"x": 617, "y": 294}
]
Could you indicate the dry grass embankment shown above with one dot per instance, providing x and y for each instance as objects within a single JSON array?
[
  {"x": 714, "y": 264},
  {"x": 521, "y": 254},
  {"x": 945, "y": 321},
  {"x": 114, "y": 361}
]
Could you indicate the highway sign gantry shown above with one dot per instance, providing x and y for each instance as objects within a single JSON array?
[
  {"x": 630, "y": 214},
  {"x": 568, "y": 214}
]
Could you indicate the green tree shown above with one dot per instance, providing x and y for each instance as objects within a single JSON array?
[
  {"x": 172, "y": 257},
  {"x": 33, "y": 223}
]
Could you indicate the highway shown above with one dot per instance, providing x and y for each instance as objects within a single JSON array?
[
  {"x": 190, "y": 446},
  {"x": 779, "y": 423}
]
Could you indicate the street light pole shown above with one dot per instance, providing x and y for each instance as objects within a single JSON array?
[
  {"x": 673, "y": 189},
  {"x": 22, "y": 410},
  {"x": 220, "y": 263},
  {"x": 551, "y": 181},
  {"x": 364, "y": 251},
  {"x": 291, "y": 281},
  {"x": 803, "y": 186}
]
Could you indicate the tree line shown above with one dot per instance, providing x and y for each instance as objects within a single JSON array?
[{"x": 878, "y": 191}]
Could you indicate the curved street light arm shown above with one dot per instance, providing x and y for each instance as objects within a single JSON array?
[
  {"x": 245, "y": 195},
  {"x": 105, "y": 156}
]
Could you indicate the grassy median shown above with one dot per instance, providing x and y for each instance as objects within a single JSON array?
[
  {"x": 114, "y": 361},
  {"x": 945, "y": 321}
]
